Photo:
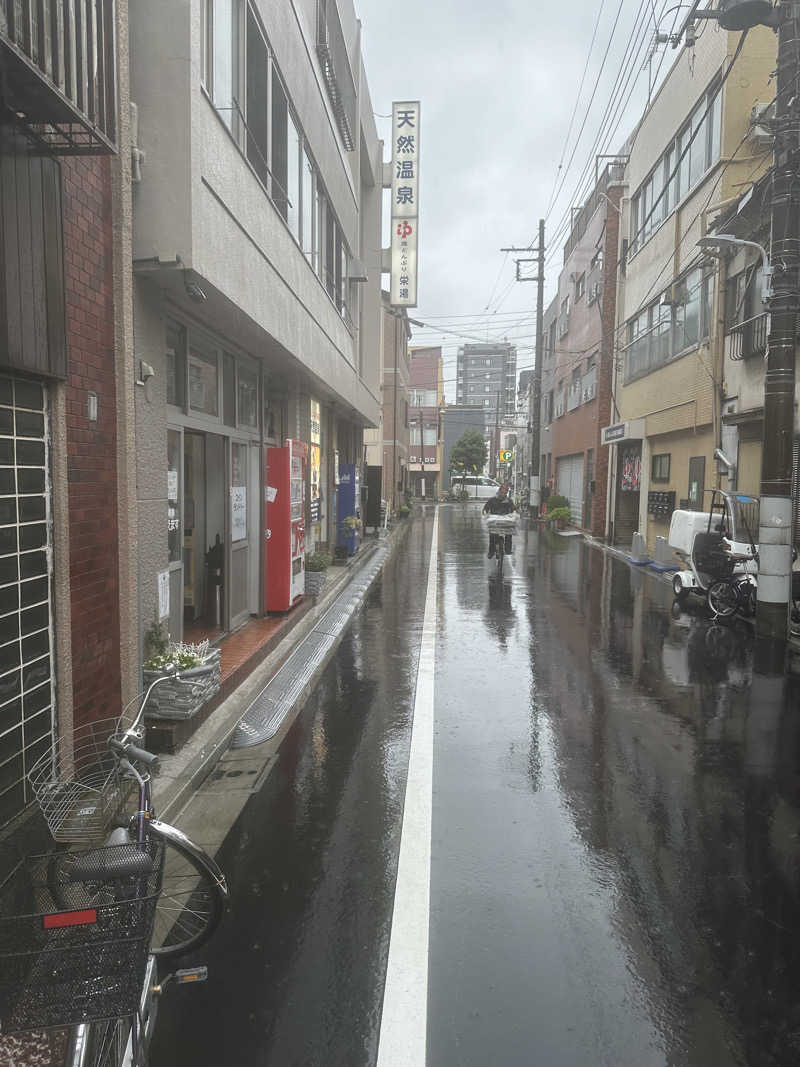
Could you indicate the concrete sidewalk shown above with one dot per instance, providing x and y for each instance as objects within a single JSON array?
[
  {"x": 183, "y": 773},
  {"x": 793, "y": 639}
]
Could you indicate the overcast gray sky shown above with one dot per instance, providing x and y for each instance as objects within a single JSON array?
[{"x": 498, "y": 83}]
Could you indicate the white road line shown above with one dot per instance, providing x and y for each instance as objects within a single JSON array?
[{"x": 404, "y": 1021}]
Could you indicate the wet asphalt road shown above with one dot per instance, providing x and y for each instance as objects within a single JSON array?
[{"x": 615, "y": 832}]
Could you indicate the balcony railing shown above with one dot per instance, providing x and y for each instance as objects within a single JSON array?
[
  {"x": 332, "y": 53},
  {"x": 749, "y": 338},
  {"x": 60, "y": 77}
]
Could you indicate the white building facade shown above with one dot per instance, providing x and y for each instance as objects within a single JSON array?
[{"x": 257, "y": 283}]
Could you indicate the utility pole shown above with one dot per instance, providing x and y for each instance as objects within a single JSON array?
[
  {"x": 535, "y": 497},
  {"x": 496, "y": 438},
  {"x": 775, "y": 524},
  {"x": 394, "y": 421}
]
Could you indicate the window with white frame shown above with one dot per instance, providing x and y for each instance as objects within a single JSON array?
[
  {"x": 563, "y": 317},
  {"x": 668, "y": 328},
  {"x": 574, "y": 394},
  {"x": 661, "y": 192},
  {"x": 221, "y": 65},
  {"x": 251, "y": 98},
  {"x": 589, "y": 383}
]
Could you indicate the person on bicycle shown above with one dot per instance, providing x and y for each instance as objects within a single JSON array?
[{"x": 500, "y": 504}]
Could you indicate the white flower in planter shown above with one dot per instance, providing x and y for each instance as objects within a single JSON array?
[{"x": 180, "y": 698}]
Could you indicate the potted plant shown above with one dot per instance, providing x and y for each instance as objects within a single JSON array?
[
  {"x": 559, "y": 516},
  {"x": 403, "y": 511},
  {"x": 350, "y": 530},
  {"x": 317, "y": 564},
  {"x": 556, "y": 501},
  {"x": 197, "y": 664}
]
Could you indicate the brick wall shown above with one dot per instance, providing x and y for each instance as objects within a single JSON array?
[{"x": 91, "y": 446}]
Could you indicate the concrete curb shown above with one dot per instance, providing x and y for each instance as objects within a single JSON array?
[
  {"x": 183, "y": 773},
  {"x": 662, "y": 576}
]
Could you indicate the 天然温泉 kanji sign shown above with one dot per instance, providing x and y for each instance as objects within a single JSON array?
[{"x": 405, "y": 202}]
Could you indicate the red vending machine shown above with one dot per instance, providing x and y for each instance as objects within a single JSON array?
[{"x": 285, "y": 495}]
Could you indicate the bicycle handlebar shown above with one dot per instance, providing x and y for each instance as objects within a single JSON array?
[
  {"x": 129, "y": 751},
  {"x": 142, "y": 756}
]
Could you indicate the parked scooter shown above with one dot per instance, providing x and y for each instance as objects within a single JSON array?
[{"x": 718, "y": 550}]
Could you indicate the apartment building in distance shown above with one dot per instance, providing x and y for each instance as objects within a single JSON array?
[
  {"x": 486, "y": 376},
  {"x": 257, "y": 280},
  {"x": 425, "y": 400},
  {"x": 692, "y": 154},
  {"x": 584, "y": 352}
]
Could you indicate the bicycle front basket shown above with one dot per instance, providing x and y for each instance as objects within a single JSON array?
[
  {"x": 75, "y": 930},
  {"x": 78, "y": 784}
]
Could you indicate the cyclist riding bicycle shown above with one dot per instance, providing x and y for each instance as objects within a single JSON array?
[{"x": 499, "y": 505}]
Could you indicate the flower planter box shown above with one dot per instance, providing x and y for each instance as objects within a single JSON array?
[
  {"x": 315, "y": 581},
  {"x": 177, "y": 700}
]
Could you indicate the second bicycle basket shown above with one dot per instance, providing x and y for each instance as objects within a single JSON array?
[
  {"x": 75, "y": 931},
  {"x": 78, "y": 783}
]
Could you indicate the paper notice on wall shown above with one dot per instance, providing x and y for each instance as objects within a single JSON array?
[
  {"x": 172, "y": 485},
  {"x": 270, "y": 493},
  {"x": 163, "y": 594},
  {"x": 238, "y": 513}
]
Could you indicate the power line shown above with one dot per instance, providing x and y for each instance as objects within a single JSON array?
[
  {"x": 616, "y": 109},
  {"x": 627, "y": 66},
  {"x": 589, "y": 105},
  {"x": 575, "y": 107}
]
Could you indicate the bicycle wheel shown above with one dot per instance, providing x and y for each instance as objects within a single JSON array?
[
  {"x": 192, "y": 896},
  {"x": 722, "y": 598},
  {"x": 107, "y": 1043},
  {"x": 748, "y": 594}
]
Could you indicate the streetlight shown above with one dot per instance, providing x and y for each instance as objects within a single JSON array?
[
  {"x": 721, "y": 242},
  {"x": 775, "y": 510}
]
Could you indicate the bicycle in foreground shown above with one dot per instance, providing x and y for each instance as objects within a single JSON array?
[
  {"x": 83, "y": 931},
  {"x": 501, "y": 529}
]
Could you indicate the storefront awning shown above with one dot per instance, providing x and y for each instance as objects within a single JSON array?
[{"x": 631, "y": 430}]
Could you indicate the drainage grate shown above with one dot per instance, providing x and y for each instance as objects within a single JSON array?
[{"x": 263, "y": 718}]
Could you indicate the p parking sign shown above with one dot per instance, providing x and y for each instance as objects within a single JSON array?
[{"x": 506, "y": 455}]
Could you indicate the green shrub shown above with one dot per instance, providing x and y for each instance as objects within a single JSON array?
[
  {"x": 318, "y": 561},
  {"x": 557, "y": 501},
  {"x": 403, "y": 511},
  {"x": 559, "y": 513},
  {"x": 156, "y": 640}
]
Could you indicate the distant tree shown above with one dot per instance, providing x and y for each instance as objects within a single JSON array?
[{"x": 469, "y": 453}]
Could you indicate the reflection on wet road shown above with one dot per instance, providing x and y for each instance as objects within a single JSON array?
[{"x": 616, "y": 821}]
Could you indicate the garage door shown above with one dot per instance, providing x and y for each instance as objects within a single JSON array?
[{"x": 569, "y": 483}]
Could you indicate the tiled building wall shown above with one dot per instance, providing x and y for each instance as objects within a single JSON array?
[{"x": 91, "y": 446}]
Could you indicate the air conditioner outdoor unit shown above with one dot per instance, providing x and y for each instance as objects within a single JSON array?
[
  {"x": 674, "y": 295},
  {"x": 761, "y": 117}
]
